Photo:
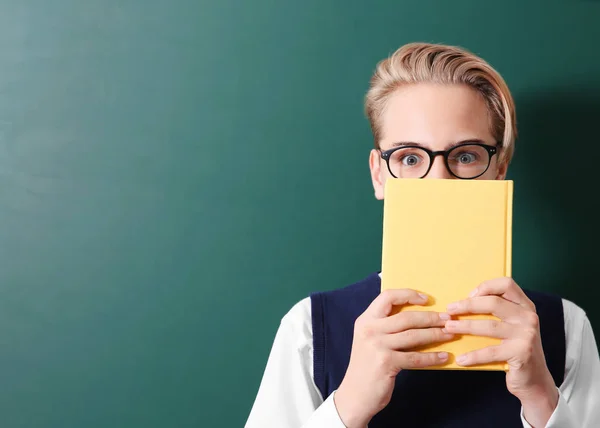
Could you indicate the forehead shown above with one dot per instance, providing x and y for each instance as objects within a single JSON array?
[{"x": 436, "y": 115}]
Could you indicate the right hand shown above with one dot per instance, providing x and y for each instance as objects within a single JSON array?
[{"x": 379, "y": 352}]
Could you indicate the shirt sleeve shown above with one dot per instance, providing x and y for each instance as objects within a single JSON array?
[
  {"x": 579, "y": 394},
  {"x": 287, "y": 396}
]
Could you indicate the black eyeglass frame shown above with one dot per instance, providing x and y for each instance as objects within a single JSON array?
[{"x": 491, "y": 150}]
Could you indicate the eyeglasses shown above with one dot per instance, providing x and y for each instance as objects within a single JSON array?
[{"x": 466, "y": 161}]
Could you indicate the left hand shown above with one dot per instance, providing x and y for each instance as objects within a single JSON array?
[{"x": 528, "y": 377}]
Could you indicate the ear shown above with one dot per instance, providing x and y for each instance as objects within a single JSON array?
[
  {"x": 502, "y": 170},
  {"x": 377, "y": 174}
]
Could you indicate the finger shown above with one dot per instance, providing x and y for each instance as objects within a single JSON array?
[
  {"x": 491, "y": 354},
  {"x": 411, "y": 339},
  {"x": 412, "y": 319},
  {"x": 493, "y": 305},
  {"x": 486, "y": 328},
  {"x": 505, "y": 287},
  {"x": 414, "y": 360},
  {"x": 383, "y": 304}
]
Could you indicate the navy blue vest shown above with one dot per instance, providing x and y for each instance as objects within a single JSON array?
[{"x": 427, "y": 398}]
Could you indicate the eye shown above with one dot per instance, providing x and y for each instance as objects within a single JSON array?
[
  {"x": 410, "y": 160},
  {"x": 466, "y": 158}
]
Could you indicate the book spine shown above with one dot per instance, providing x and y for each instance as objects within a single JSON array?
[
  {"x": 508, "y": 235},
  {"x": 508, "y": 243}
]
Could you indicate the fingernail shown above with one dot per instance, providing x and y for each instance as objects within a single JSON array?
[
  {"x": 445, "y": 331},
  {"x": 474, "y": 293},
  {"x": 423, "y": 296},
  {"x": 452, "y": 306},
  {"x": 444, "y": 316},
  {"x": 443, "y": 356},
  {"x": 461, "y": 359},
  {"x": 452, "y": 324}
]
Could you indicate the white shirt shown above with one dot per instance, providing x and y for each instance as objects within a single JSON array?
[{"x": 289, "y": 398}]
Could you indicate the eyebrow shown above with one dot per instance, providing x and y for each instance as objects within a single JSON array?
[{"x": 449, "y": 146}]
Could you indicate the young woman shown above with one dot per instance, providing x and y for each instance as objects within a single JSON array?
[{"x": 338, "y": 358}]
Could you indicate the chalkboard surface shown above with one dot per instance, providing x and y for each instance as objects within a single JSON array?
[{"x": 175, "y": 175}]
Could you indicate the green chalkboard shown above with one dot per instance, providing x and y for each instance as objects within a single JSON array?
[{"x": 175, "y": 175}]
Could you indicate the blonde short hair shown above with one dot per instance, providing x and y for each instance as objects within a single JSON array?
[{"x": 434, "y": 63}]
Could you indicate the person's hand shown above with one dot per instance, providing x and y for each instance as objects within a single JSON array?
[
  {"x": 528, "y": 377},
  {"x": 379, "y": 353}
]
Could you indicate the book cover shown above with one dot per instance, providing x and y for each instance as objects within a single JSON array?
[{"x": 444, "y": 238}]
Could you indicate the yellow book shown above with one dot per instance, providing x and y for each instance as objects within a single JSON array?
[{"x": 444, "y": 238}]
